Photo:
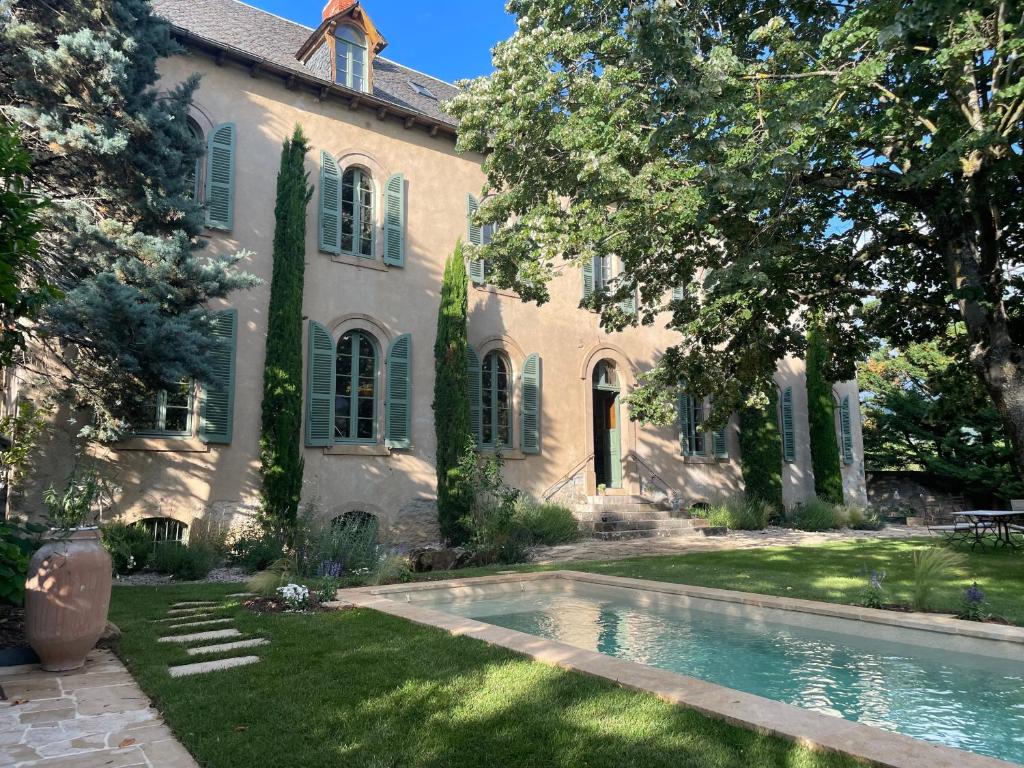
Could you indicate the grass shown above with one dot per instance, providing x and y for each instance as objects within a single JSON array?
[
  {"x": 834, "y": 572},
  {"x": 359, "y": 688}
]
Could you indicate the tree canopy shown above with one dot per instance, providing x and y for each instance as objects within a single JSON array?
[{"x": 770, "y": 160}]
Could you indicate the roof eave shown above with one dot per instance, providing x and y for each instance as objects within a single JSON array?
[{"x": 291, "y": 77}]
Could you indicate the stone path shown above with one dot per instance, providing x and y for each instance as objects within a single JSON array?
[
  {"x": 93, "y": 717},
  {"x": 596, "y": 549},
  {"x": 185, "y": 614}
]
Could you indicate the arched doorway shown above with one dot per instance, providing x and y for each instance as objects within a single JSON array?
[{"x": 607, "y": 425}]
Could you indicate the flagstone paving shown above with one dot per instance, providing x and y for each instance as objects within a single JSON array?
[{"x": 93, "y": 716}]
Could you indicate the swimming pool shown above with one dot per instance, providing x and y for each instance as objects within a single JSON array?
[{"x": 943, "y": 683}]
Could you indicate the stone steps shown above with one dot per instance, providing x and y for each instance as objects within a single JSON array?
[
  {"x": 633, "y": 517},
  {"x": 649, "y": 524}
]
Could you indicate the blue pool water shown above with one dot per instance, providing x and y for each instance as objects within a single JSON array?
[{"x": 961, "y": 700}]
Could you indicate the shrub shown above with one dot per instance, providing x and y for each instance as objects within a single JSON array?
[
  {"x": 392, "y": 569},
  {"x": 932, "y": 567},
  {"x": 545, "y": 523},
  {"x": 187, "y": 563},
  {"x": 327, "y": 589},
  {"x": 276, "y": 574},
  {"x": 739, "y": 514},
  {"x": 18, "y": 541},
  {"x": 254, "y": 548},
  {"x": 873, "y": 594},
  {"x": 345, "y": 546},
  {"x": 973, "y": 605},
  {"x": 861, "y": 519},
  {"x": 814, "y": 515},
  {"x": 130, "y": 546}
]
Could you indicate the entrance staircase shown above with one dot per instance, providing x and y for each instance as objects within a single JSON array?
[{"x": 636, "y": 517}]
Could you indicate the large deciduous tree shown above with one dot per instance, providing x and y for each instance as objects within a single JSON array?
[
  {"x": 769, "y": 158},
  {"x": 280, "y": 435},
  {"x": 113, "y": 155}
]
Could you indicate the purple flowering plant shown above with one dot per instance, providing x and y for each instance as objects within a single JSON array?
[{"x": 973, "y": 604}]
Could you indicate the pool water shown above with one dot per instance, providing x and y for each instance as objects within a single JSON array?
[{"x": 961, "y": 700}]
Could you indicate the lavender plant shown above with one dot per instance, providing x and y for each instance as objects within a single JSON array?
[{"x": 973, "y": 604}]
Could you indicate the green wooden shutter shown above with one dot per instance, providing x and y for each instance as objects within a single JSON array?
[
  {"x": 220, "y": 177},
  {"x": 475, "y": 395},
  {"x": 720, "y": 443},
  {"x": 394, "y": 221},
  {"x": 628, "y": 306},
  {"x": 216, "y": 415},
  {"x": 588, "y": 278},
  {"x": 846, "y": 430},
  {"x": 320, "y": 386},
  {"x": 398, "y": 406},
  {"x": 330, "y": 204},
  {"x": 788, "y": 437},
  {"x": 678, "y": 293},
  {"x": 475, "y": 235},
  {"x": 685, "y": 407},
  {"x": 530, "y": 409}
]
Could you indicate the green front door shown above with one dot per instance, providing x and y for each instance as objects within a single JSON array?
[{"x": 607, "y": 442}]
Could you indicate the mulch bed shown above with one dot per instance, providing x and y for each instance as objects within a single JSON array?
[{"x": 277, "y": 605}]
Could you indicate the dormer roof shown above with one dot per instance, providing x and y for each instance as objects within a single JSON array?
[{"x": 334, "y": 12}]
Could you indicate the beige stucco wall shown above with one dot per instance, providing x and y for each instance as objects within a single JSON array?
[{"x": 185, "y": 478}]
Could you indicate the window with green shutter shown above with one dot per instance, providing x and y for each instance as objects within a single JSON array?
[
  {"x": 589, "y": 273},
  {"x": 168, "y": 412},
  {"x": 216, "y": 418},
  {"x": 474, "y": 378},
  {"x": 357, "y": 213},
  {"x": 220, "y": 177},
  {"x": 320, "y": 365},
  {"x": 786, "y": 425},
  {"x": 330, "y": 205},
  {"x": 530, "y": 409},
  {"x": 475, "y": 236},
  {"x": 398, "y": 410},
  {"x": 846, "y": 430},
  {"x": 355, "y": 389},
  {"x": 496, "y": 400},
  {"x": 394, "y": 221},
  {"x": 694, "y": 439}
]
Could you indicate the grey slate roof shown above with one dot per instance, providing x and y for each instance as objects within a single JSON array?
[{"x": 237, "y": 25}]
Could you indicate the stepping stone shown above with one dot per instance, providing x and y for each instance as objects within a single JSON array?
[
  {"x": 217, "y": 634},
  {"x": 202, "y": 667},
  {"x": 183, "y": 618},
  {"x": 178, "y": 611},
  {"x": 199, "y": 623},
  {"x": 222, "y": 647},
  {"x": 242, "y": 594},
  {"x": 194, "y": 604}
]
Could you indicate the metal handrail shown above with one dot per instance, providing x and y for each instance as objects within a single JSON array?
[
  {"x": 564, "y": 479},
  {"x": 655, "y": 477}
]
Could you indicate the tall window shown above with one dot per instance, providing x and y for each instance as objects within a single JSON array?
[
  {"x": 496, "y": 414},
  {"x": 194, "y": 181},
  {"x": 357, "y": 213},
  {"x": 355, "y": 398},
  {"x": 350, "y": 54},
  {"x": 168, "y": 412},
  {"x": 603, "y": 266},
  {"x": 697, "y": 438}
]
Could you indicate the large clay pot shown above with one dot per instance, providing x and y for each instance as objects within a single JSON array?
[{"x": 67, "y": 595}]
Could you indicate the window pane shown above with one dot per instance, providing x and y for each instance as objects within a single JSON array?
[
  {"x": 350, "y": 33},
  {"x": 176, "y": 419},
  {"x": 365, "y": 429},
  {"x": 344, "y": 54}
]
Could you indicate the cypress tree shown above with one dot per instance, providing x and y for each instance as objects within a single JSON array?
[
  {"x": 451, "y": 401},
  {"x": 112, "y": 155},
  {"x": 280, "y": 437},
  {"x": 828, "y": 478},
  {"x": 761, "y": 452}
]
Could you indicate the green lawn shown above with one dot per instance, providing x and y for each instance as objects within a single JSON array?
[
  {"x": 359, "y": 688},
  {"x": 831, "y": 572}
]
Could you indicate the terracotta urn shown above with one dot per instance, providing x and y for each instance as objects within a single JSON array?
[{"x": 67, "y": 595}]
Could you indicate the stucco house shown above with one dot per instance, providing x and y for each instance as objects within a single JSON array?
[{"x": 391, "y": 199}]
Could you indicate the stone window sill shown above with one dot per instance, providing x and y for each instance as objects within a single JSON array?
[
  {"x": 357, "y": 450},
  {"x": 163, "y": 445},
  {"x": 355, "y": 261},
  {"x": 704, "y": 460}
]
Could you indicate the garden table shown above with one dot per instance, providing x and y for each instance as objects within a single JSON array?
[{"x": 1003, "y": 524}]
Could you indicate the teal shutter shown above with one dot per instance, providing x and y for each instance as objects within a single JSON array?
[
  {"x": 220, "y": 177},
  {"x": 398, "y": 406},
  {"x": 320, "y": 387},
  {"x": 628, "y": 306},
  {"x": 720, "y": 443},
  {"x": 475, "y": 235},
  {"x": 588, "y": 278},
  {"x": 530, "y": 409},
  {"x": 475, "y": 395},
  {"x": 678, "y": 293},
  {"x": 788, "y": 437},
  {"x": 846, "y": 431},
  {"x": 216, "y": 415},
  {"x": 330, "y": 204},
  {"x": 685, "y": 407},
  {"x": 394, "y": 221}
]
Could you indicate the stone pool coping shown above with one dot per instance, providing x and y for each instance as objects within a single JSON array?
[{"x": 810, "y": 729}]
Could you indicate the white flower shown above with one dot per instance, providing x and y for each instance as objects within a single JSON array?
[{"x": 295, "y": 595}]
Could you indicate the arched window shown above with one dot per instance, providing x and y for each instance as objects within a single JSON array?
[
  {"x": 357, "y": 213},
  {"x": 358, "y": 520},
  {"x": 164, "y": 530},
  {"x": 355, "y": 392},
  {"x": 350, "y": 56},
  {"x": 605, "y": 376},
  {"x": 196, "y": 175},
  {"x": 496, "y": 406}
]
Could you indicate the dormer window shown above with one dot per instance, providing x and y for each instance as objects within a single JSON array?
[{"x": 350, "y": 58}]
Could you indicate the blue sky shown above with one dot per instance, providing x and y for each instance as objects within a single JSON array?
[{"x": 449, "y": 39}]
